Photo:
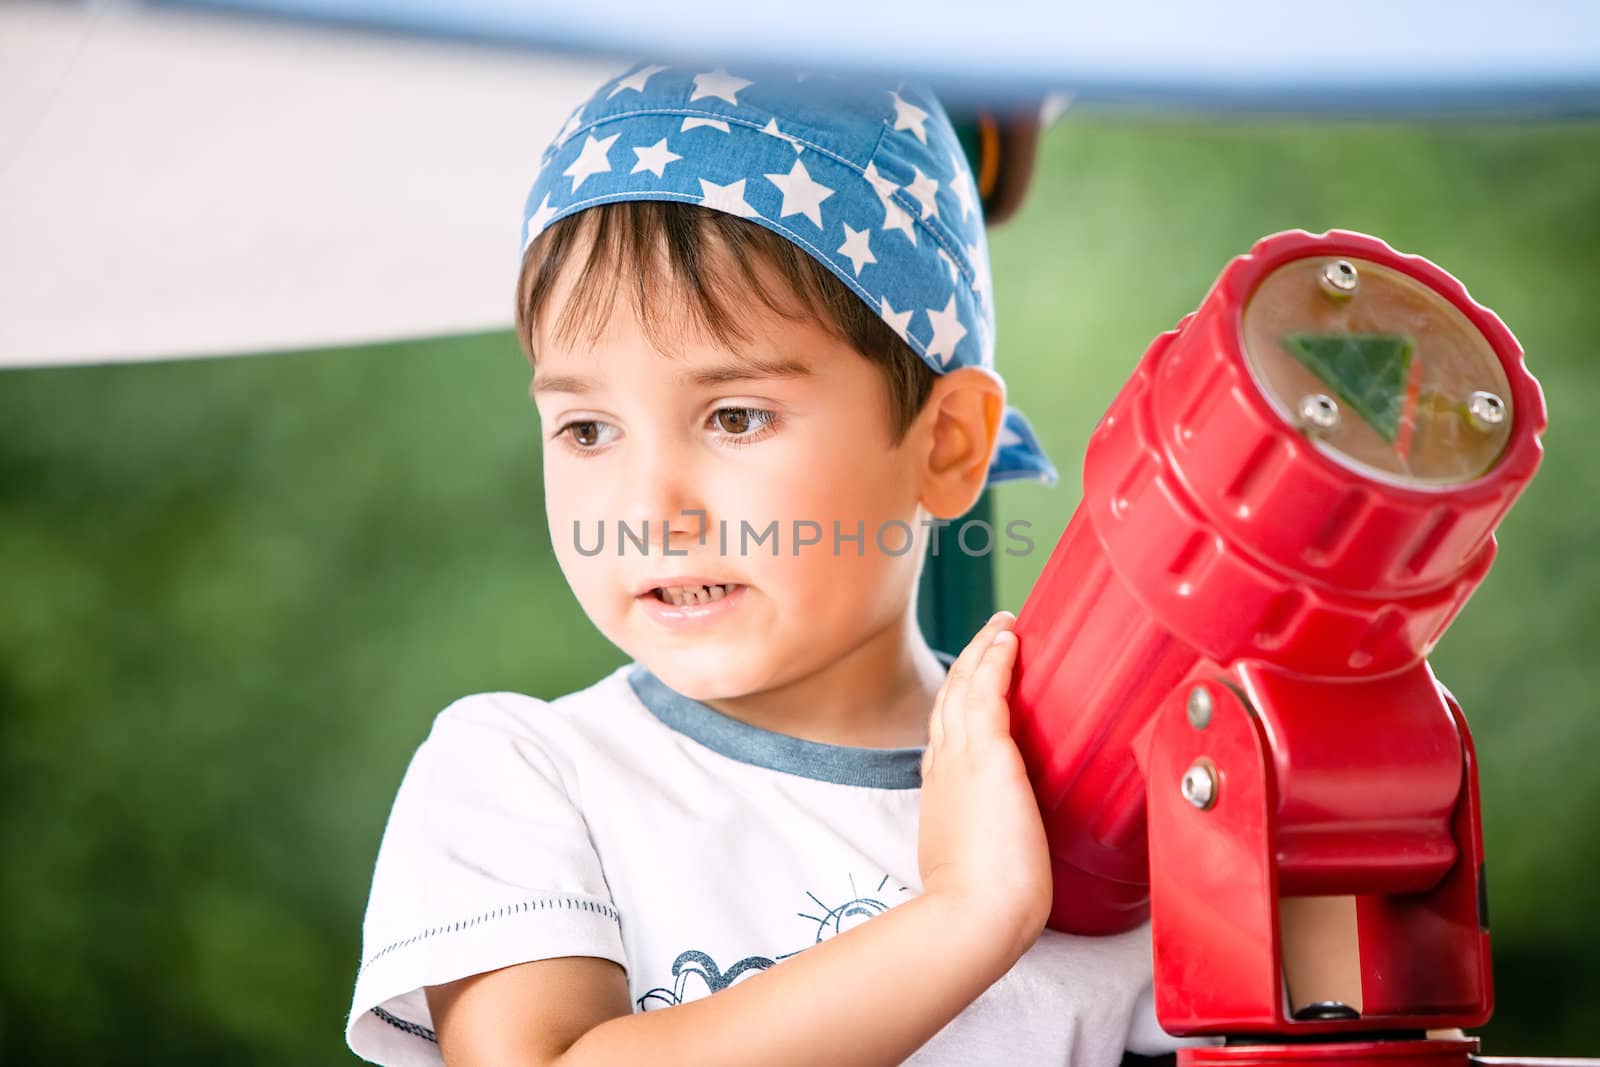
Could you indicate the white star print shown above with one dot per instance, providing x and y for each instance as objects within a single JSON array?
[
  {"x": 961, "y": 185},
  {"x": 980, "y": 268},
  {"x": 909, "y": 117},
  {"x": 697, "y": 120},
  {"x": 771, "y": 130},
  {"x": 654, "y": 158},
  {"x": 635, "y": 81},
  {"x": 949, "y": 263},
  {"x": 896, "y": 219},
  {"x": 880, "y": 185},
  {"x": 801, "y": 195},
  {"x": 858, "y": 247},
  {"x": 591, "y": 160},
  {"x": 924, "y": 189},
  {"x": 947, "y": 332},
  {"x": 899, "y": 321},
  {"x": 729, "y": 198},
  {"x": 720, "y": 84},
  {"x": 1007, "y": 436},
  {"x": 538, "y": 220}
]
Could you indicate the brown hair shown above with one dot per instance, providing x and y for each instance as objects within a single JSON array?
[{"x": 630, "y": 240}]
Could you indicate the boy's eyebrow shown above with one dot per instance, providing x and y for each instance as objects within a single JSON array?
[
  {"x": 561, "y": 383},
  {"x": 749, "y": 368}
]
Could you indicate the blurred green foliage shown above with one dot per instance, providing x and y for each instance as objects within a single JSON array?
[{"x": 237, "y": 591}]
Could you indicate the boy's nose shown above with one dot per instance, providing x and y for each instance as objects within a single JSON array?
[{"x": 661, "y": 491}]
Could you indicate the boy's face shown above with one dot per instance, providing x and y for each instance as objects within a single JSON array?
[{"x": 793, "y": 431}]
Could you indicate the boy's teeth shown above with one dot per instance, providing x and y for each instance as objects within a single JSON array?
[{"x": 693, "y": 594}]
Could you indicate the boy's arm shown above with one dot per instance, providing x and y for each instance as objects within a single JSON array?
[{"x": 870, "y": 996}]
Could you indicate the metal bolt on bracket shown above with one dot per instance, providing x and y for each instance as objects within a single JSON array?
[{"x": 1199, "y": 785}]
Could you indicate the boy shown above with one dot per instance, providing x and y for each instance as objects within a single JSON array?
[{"x": 759, "y": 317}]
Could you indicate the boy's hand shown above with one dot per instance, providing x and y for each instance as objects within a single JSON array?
[{"x": 981, "y": 842}]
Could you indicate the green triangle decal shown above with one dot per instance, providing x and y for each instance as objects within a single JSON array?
[{"x": 1367, "y": 370}]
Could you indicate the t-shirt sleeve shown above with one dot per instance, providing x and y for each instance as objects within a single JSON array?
[{"x": 486, "y": 862}]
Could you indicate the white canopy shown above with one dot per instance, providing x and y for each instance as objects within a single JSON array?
[{"x": 179, "y": 185}]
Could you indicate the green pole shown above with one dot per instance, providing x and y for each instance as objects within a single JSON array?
[{"x": 956, "y": 595}]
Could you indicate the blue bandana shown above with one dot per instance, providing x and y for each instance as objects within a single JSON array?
[{"x": 871, "y": 181}]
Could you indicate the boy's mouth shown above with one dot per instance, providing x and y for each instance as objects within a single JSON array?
[{"x": 684, "y": 595}]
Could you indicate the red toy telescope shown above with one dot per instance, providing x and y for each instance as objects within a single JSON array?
[{"x": 1221, "y": 691}]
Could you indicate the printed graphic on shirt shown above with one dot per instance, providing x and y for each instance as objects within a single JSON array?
[{"x": 696, "y": 974}]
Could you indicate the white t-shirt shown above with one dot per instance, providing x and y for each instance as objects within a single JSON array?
[{"x": 628, "y": 822}]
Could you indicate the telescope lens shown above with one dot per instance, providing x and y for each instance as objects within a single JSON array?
[{"x": 1381, "y": 372}]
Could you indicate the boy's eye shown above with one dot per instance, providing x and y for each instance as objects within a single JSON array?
[
  {"x": 733, "y": 420},
  {"x": 586, "y": 433},
  {"x": 735, "y": 426},
  {"x": 738, "y": 422}
]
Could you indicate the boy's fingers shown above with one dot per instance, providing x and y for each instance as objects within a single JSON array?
[
  {"x": 952, "y": 710},
  {"x": 989, "y": 713},
  {"x": 936, "y": 717},
  {"x": 951, "y": 729},
  {"x": 968, "y": 660},
  {"x": 962, "y": 668}
]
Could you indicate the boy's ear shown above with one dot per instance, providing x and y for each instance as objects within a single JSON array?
[{"x": 964, "y": 413}]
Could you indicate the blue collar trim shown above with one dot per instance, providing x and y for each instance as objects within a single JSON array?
[{"x": 874, "y": 768}]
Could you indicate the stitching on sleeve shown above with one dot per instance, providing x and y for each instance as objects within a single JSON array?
[
  {"x": 406, "y": 1026},
  {"x": 535, "y": 904}
]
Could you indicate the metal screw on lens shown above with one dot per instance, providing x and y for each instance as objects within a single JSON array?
[
  {"x": 1199, "y": 785},
  {"x": 1319, "y": 413},
  {"x": 1339, "y": 279},
  {"x": 1485, "y": 411},
  {"x": 1199, "y": 707}
]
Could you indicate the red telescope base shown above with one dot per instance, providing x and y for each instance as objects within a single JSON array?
[
  {"x": 1402, "y": 1053},
  {"x": 1458, "y": 1052}
]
